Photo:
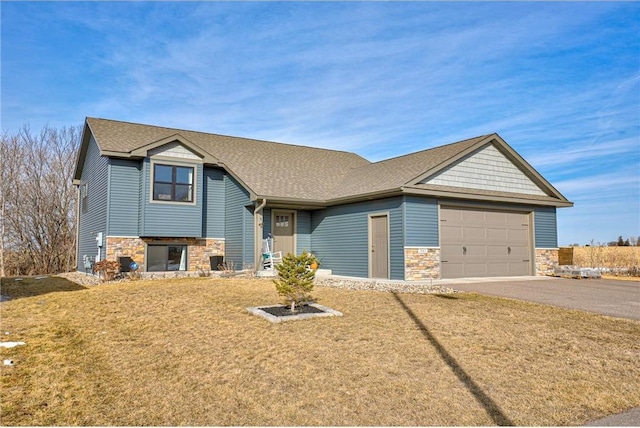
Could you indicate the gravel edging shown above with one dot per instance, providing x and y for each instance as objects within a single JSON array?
[
  {"x": 349, "y": 284},
  {"x": 384, "y": 285}
]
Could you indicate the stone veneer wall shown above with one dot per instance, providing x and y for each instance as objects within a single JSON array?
[
  {"x": 421, "y": 263},
  {"x": 546, "y": 260},
  {"x": 199, "y": 249}
]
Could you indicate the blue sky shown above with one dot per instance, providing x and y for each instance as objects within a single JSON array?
[{"x": 559, "y": 81}]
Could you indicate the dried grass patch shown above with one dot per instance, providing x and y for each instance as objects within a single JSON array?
[
  {"x": 617, "y": 259},
  {"x": 186, "y": 352}
]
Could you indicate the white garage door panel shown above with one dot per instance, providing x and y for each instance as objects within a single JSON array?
[
  {"x": 484, "y": 243},
  {"x": 453, "y": 232},
  {"x": 498, "y": 269},
  {"x": 497, "y": 234}
]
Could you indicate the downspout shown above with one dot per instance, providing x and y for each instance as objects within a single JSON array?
[
  {"x": 78, "y": 196},
  {"x": 258, "y": 227}
]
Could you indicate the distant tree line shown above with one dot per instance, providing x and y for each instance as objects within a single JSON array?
[
  {"x": 38, "y": 200},
  {"x": 631, "y": 241}
]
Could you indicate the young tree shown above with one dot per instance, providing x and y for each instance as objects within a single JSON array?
[{"x": 295, "y": 278}]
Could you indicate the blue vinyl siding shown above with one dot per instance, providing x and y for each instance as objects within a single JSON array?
[
  {"x": 421, "y": 222},
  {"x": 124, "y": 196},
  {"x": 171, "y": 219},
  {"x": 303, "y": 231},
  {"x": 93, "y": 219},
  {"x": 339, "y": 237},
  {"x": 266, "y": 223},
  {"x": 213, "y": 203},
  {"x": 238, "y": 224},
  {"x": 546, "y": 227}
]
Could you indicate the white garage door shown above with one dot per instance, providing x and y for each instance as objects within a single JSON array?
[{"x": 476, "y": 243}]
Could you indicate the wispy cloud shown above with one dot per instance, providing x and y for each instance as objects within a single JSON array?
[{"x": 558, "y": 81}]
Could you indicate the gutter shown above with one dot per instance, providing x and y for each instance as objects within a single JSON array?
[{"x": 257, "y": 235}]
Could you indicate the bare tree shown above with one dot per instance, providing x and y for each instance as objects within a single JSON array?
[{"x": 37, "y": 200}]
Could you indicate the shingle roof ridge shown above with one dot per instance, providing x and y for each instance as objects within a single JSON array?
[
  {"x": 235, "y": 137},
  {"x": 479, "y": 137}
]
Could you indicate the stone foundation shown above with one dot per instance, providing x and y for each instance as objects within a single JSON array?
[
  {"x": 125, "y": 247},
  {"x": 198, "y": 251},
  {"x": 546, "y": 260},
  {"x": 421, "y": 263}
]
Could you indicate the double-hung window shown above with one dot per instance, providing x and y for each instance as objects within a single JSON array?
[{"x": 172, "y": 183}]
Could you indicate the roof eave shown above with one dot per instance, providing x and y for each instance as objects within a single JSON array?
[
  {"x": 479, "y": 197},
  {"x": 82, "y": 153},
  {"x": 387, "y": 193}
]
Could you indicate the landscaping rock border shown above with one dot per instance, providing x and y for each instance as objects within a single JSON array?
[{"x": 384, "y": 285}]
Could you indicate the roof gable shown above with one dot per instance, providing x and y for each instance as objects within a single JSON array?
[
  {"x": 486, "y": 169},
  {"x": 174, "y": 150}
]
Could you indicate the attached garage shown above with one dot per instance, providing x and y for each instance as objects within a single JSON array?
[{"x": 478, "y": 243}]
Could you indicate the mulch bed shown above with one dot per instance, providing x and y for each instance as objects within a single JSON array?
[{"x": 285, "y": 311}]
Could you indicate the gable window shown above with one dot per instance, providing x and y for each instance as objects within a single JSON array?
[
  {"x": 161, "y": 258},
  {"x": 172, "y": 183}
]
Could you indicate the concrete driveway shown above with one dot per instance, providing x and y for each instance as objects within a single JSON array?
[{"x": 603, "y": 296}]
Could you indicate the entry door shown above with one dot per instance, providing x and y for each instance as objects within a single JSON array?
[
  {"x": 283, "y": 232},
  {"x": 379, "y": 246}
]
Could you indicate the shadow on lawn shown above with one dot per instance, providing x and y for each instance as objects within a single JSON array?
[
  {"x": 28, "y": 286},
  {"x": 490, "y": 406}
]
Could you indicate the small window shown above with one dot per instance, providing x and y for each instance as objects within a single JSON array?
[
  {"x": 162, "y": 258},
  {"x": 282, "y": 221},
  {"x": 172, "y": 183}
]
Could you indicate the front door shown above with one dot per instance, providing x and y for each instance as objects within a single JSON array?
[
  {"x": 283, "y": 232},
  {"x": 379, "y": 246}
]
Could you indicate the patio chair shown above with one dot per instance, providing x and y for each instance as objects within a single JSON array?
[{"x": 270, "y": 258}]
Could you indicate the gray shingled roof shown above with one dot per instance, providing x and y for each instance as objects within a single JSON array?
[
  {"x": 291, "y": 172},
  {"x": 391, "y": 174},
  {"x": 267, "y": 168}
]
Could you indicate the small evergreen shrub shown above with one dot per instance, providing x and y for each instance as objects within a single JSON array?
[{"x": 295, "y": 278}]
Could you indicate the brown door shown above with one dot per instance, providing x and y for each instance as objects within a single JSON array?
[
  {"x": 283, "y": 232},
  {"x": 476, "y": 243},
  {"x": 379, "y": 246}
]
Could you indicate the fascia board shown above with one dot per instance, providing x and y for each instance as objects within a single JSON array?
[
  {"x": 451, "y": 160},
  {"x": 252, "y": 195},
  {"x": 144, "y": 150},
  {"x": 529, "y": 170},
  {"x": 82, "y": 152},
  {"x": 492, "y": 198}
]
